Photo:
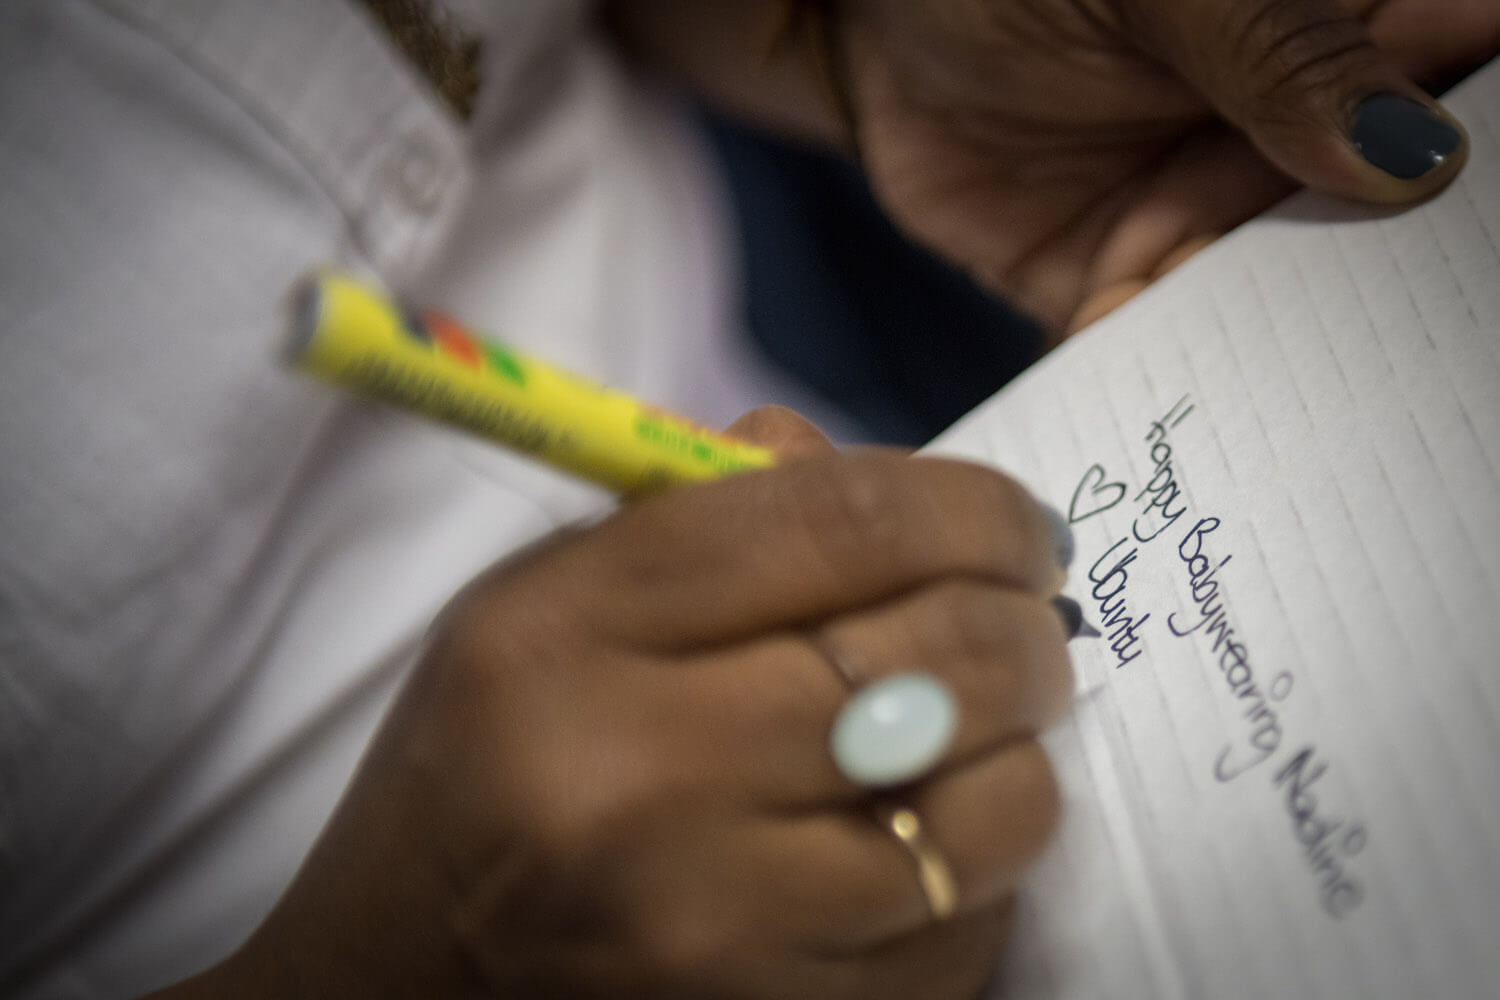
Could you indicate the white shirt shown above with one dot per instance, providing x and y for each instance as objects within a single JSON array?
[{"x": 213, "y": 573}]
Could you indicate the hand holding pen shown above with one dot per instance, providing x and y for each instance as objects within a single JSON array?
[
  {"x": 611, "y": 773},
  {"x": 772, "y": 735}
]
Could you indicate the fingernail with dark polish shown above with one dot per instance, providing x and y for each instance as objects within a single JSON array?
[
  {"x": 1062, "y": 536},
  {"x": 1401, "y": 136},
  {"x": 1072, "y": 616}
]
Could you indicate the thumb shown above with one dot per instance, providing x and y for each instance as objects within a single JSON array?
[
  {"x": 784, "y": 431},
  {"x": 1302, "y": 79}
]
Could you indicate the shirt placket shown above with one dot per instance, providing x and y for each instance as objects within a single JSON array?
[{"x": 333, "y": 90}]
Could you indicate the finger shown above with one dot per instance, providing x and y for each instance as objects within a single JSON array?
[
  {"x": 1105, "y": 301},
  {"x": 767, "y": 709},
  {"x": 1209, "y": 184},
  {"x": 845, "y": 884},
  {"x": 1184, "y": 252},
  {"x": 1047, "y": 281},
  {"x": 951, "y": 960},
  {"x": 1302, "y": 79},
  {"x": 992, "y": 819},
  {"x": 1001, "y": 653},
  {"x": 795, "y": 544},
  {"x": 783, "y": 430},
  {"x": 1001, "y": 650},
  {"x": 728, "y": 908},
  {"x": 1431, "y": 40}
]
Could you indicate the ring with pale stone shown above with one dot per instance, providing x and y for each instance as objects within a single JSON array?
[
  {"x": 894, "y": 730},
  {"x": 890, "y": 732}
]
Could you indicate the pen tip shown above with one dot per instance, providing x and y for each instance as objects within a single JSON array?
[{"x": 1072, "y": 617}]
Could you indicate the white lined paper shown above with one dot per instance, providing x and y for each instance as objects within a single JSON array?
[{"x": 1343, "y": 366}]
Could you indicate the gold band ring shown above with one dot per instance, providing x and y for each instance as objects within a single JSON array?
[{"x": 933, "y": 874}]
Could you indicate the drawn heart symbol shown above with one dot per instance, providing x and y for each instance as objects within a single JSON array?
[{"x": 1094, "y": 481}]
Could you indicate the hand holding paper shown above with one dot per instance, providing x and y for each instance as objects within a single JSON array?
[{"x": 1057, "y": 149}]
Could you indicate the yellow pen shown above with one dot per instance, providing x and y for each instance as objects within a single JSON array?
[
  {"x": 350, "y": 336},
  {"x": 345, "y": 334}
]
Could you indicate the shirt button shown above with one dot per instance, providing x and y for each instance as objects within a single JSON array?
[{"x": 421, "y": 176}]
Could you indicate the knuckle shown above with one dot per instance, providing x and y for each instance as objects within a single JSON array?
[
  {"x": 987, "y": 624},
  {"x": 559, "y": 824},
  {"x": 772, "y": 716},
  {"x": 977, "y": 628},
  {"x": 919, "y": 516},
  {"x": 999, "y": 490},
  {"x": 1279, "y": 52},
  {"x": 595, "y": 800},
  {"x": 1014, "y": 641},
  {"x": 982, "y": 629},
  {"x": 992, "y": 518},
  {"x": 644, "y": 547},
  {"x": 1016, "y": 536},
  {"x": 483, "y": 647},
  {"x": 1037, "y": 795},
  {"x": 1249, "y": 29},
  {"x": 849, "y": 508},
  {"x": 1051, "y": 681},
  {"x": 521, "y": 610}
]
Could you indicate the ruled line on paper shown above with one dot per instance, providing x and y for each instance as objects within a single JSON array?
[{"x": 1344, "y": 437}]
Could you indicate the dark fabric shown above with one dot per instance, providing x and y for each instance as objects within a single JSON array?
[{"x": 834, "y": 295}]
